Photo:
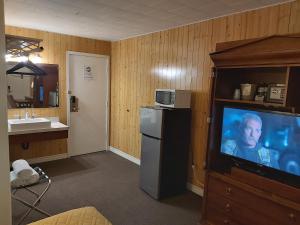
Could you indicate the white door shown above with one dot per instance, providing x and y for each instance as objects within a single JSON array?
[{"x": 88, "y": 82}]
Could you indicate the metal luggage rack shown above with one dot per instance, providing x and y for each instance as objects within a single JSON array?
[{"x": 43, "y": 179}]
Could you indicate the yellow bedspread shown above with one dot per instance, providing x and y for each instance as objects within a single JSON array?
[{"x": 81, "y": 216}]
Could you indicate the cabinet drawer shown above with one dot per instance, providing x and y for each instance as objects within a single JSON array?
[
  {"x": 237, "y": 212},
  {"x": 215, "y": 217},
  {"x": 274, "y": 211}
]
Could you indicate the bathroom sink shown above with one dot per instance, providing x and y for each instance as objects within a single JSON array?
[{"x": 25, "y": 124}]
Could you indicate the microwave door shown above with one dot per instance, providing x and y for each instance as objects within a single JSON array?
[{"x": 163, "y": 97}]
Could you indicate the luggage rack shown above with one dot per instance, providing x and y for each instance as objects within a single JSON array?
[{"x": 43, "y": 179}]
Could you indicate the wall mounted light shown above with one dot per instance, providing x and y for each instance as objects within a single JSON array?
[
  {"x": 22, "y": 49},
  {"x": 35, "y": 58},
  {"x": 11, "y": 58}
]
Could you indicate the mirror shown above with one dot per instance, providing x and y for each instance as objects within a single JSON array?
[{"x": 28, "y": 91}]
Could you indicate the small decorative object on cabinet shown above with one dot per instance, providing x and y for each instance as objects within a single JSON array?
[
  {"x": 276, "y": 93},
  {"x": 237, "y": 94},
  {"x": 242, "y": 191},
  {"x": 247, "y": 91},
  {"x": 261, "y": 93}
]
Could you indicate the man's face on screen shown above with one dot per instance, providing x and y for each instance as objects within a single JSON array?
[{"x": 251, "y": 133}]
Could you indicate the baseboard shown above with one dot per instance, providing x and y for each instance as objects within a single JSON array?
[
  {"x": 125, "y": 155},
  {"x": 47, "y": 158},
  {"x": 193, "y": 188}
]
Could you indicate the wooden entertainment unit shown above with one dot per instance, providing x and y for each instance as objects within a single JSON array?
[{"x": 234, "y": 196}]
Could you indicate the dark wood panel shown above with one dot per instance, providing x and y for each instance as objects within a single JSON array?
[
  {"x": 293, "y": 95},
  {"x": 256, "y": 200},
  {"x": 37, "y": 137},
  {"x": 267, "y": 185},
  {"x": 238, "y": 212},
  {"x": 216, "y": 217}
]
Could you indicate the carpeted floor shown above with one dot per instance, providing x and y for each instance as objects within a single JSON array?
[{"x": 111, "y": 184}]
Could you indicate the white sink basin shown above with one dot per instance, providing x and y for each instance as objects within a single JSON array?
[{"x": 29, "y": 124}]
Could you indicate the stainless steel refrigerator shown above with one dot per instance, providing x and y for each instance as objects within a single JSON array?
[{"x": 164, "y": 150}]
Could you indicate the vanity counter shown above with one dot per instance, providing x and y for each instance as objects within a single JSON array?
[
  {"x": 25, "y": 136},
  {"x": 55, "y": 126}
]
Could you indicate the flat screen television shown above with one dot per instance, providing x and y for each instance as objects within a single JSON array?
[{"x": 266, "y": 142}]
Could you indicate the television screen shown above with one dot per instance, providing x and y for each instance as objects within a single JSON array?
[{"x": 270, "y": 139}]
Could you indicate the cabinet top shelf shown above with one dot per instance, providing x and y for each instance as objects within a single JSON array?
[{"x": 249, "y": 102}]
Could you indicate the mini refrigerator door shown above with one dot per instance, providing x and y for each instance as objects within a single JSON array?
[
  {"x": 150, "y": 166},
  {"x": 164, "y": 150},
  {"x": 151, "y": 120}
]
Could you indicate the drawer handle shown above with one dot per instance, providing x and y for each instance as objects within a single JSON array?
[
  {"x": 228, "y": 207},
  {"x": 228, "y": 190},
  {"x": 226, "y": 221},
  {"x": 292, "y": 217}
]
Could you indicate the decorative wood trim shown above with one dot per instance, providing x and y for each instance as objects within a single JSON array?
[
  {"x": 272, "y": 58},
  {"x": 276, "y": 49},
  {"x": 227, "y": 46}
]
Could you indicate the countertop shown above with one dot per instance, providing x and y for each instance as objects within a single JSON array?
[{"x": 55, "y": 126}]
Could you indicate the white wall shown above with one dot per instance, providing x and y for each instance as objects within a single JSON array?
[{"x": 5, "y": 199}]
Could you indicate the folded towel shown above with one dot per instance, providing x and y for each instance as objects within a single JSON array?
[
  {"x": 22, "y": 168},
  {"x": 16, "y": 181}
]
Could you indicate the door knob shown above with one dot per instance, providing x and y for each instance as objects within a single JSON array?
[
  {"x": 228, "y": 190},
  {"x": 228, "y": 207},
  {"x": 292, "y": 217}
]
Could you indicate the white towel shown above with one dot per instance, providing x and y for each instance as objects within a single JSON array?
[
  {"x": 22, "y": 168},
  {"x": 16, "y": 181}
]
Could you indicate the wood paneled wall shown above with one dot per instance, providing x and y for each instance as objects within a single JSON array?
[
  {"x": 55, "y": 48},
  {"x": 179, "y": 58}
]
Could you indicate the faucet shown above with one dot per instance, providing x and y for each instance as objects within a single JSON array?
[{"x": 27, "y": 115}]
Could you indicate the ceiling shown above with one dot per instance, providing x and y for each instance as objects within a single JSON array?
[{"x": 119, "y": 19}]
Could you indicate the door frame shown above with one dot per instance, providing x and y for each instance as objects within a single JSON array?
[
  {"x": 5, "y": 190},
  {"x": 68, "y": 54}
]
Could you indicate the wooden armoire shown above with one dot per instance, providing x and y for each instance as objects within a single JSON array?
[{"x": 234, "y": 196}]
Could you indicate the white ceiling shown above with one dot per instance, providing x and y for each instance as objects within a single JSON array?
[{"x": 119, "y": 19}]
